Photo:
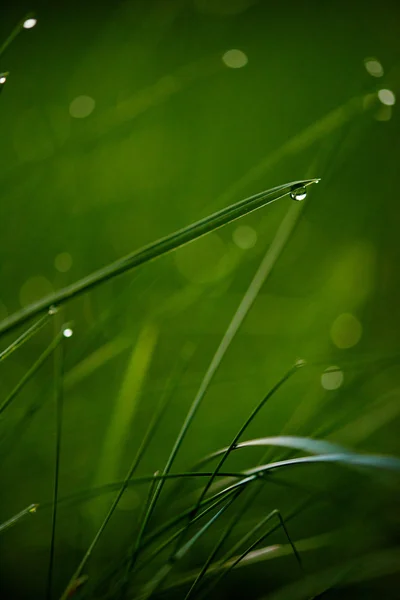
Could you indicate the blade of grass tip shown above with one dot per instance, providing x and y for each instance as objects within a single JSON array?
[
  {"x": 31, "y": 372},
  {"x": 217, "y": 569},
  {"x": 59, "y": 402},
  {"x": 154, "y": 423},
  {"x": 162, "y": 574},
  {"x": 274, "y": 513},
  {"x": 257, "y": 282},
  {"x": 29, "y": 510},
  {"x": 27, "y": 22},
  {"x": 24, "y": 337},
  {"x": 155, "y": 250},
  {"x": 235, "y": 520}
]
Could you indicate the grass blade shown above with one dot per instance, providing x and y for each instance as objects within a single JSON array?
[
  {"x": 31, "y": 372},
  {"x": 272, "y": 514},
  {"x": 24, "y": 337},
  {"x": 58, "y": 398},
  {"x": 162, "y": 574},
  {"x": 29, "y": 510},
  {"x": 154, "y": 250},
  {"x": 287, "y": 441},
  {"x": 155, "y": 421}
]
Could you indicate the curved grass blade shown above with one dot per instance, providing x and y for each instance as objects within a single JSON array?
[
  {"x": 164, "y": 544},
  {"x": 31, "y": 372},
  {"x": 154, "y": 250},
  {"x": 29, "y": 510},
  {"x": 274, "y": 513},
  {"x": 24, "y": 337},
  {"x": 224, "y": 562},
  {"x": 162, "y": 574},
  {"x": 17, "y": 29},
  {"x": 285, "y": 441},
  {"x": 270, "y": 258}
]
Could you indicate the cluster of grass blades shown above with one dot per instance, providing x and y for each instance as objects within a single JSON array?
[
  {"x": 214, "y": 511},
  {"x": 222, "y": 492}
]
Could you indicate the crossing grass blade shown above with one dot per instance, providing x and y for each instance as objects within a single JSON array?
[
  {"x": 24, "y": 337},
  {"x": 155, "y": 250},
  {"x": 181, "y": 552},
  {"x": 32, "y": 371}
]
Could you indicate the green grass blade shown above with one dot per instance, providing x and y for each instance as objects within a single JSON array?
[
  {"x": 58, "y": 398},
  {"x": 31, "y": 372},
  {"x": 285, "y": 441},
  {"x": 247, "y": 422},
  {"x": 29, "y": 510},
  {"x": 154, "y": 423},
  {"x": 163, "y": 573},
  {"x": 154, "y": 250},
  {"x": 271, "y": 515},
  {"x": 17, "y": 29},
  {"x": 264, "y": 269},
  {"x": 24, "y": 337}
]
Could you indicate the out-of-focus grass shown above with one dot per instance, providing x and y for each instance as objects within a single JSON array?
[{"x": 176, "y": 134}]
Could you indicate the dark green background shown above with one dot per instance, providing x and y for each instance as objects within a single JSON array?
[{"x": 174, "y": 136}]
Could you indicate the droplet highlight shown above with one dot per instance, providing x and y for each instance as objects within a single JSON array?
[
  {"x": 299, "y": 194},
  {"x": 68, "y": 332},
  {"x": 332, "y": 378},
  {"x": 29, "y": 23}
]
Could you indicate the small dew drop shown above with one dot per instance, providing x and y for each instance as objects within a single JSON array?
[
  {"x": 387, "y": 97},
  {"x": 67, "y": 332},
  {"x": 3, "y": 79},
  {"x": 53, "y": 310},
  {"x": 29, "y": 23},
  {"x": 235, "y": 59},
  {"x": 374, "y": 67},
  {"x": 33, "y": 508},
  {"x": 332, "y": 378},
  {"x": 299, "y": 194}
]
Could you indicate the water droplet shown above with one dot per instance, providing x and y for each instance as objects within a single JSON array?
[
  {"x": 29, "y": 23},
  {"x": 332, "y": 378},
  {"x": 3, "y": 78},
  {"x": 299, "y": 194},
  {"x": 33, "y": 508},
  {"x": 53, "y": 310},
  {"x": 67, "y": 332}
]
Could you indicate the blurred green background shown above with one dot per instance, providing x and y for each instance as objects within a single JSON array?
[{"x": 124, "y": 121}]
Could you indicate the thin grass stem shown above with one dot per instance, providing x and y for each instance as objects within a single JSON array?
[
  {"x": 154, "y": 250},
  {"x": 32, "y": 371},
  {"x": 29, "y": 510},
  {"x": 59, "y": 401},
  {"x": 24, "y": 337}
]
